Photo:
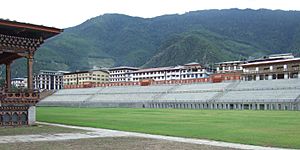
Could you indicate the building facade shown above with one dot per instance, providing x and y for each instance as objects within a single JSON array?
[
  {"x": 19, "y": 82},
  {"x": 86, "y": 77},
  {"x": 187, "y": 71},
  {"x": 50, "y": 80},
  {"x": 121, "y": 74},
  {"x": 230, "y": 67},
  {"x": 283, "y": 66}
]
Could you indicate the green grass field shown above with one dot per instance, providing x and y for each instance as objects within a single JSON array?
[{"x": 266, "y": 128}]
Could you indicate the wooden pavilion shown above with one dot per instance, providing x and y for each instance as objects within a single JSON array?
[{"x": 20, "y": 40}]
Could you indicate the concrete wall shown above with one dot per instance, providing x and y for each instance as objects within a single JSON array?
[
  {"x": 192, "y": 105},
  {"x": 232, "y": 106},
  {"x": 32, "y": 115}
]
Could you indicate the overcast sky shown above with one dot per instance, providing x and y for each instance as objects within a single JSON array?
[{"x": 68, "y": 13}]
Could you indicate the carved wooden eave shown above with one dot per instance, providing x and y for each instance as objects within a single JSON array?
[
  {"x": 12, "y": 47},
  {"x": 21, "y": 39}
]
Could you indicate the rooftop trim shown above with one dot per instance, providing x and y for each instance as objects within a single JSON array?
[
  {"x": 29, "y": 26},
  {"x": 270, "y": 62},
  {"x": 123, "y": 67},
  {"x": 230, "y": 62}
]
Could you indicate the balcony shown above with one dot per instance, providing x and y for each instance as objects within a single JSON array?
[{"x": 272, "y": 71}]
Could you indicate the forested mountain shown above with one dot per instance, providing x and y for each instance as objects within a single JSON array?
[{"x": 206, "y": 36}]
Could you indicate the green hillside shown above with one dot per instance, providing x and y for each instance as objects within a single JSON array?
[
  {"x": 206, "y": 36},
  {"x": 201, "y": 46}
]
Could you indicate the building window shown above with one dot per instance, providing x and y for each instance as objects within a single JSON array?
[
  {"x": 280, "y": 76},
  {"x": 266, "y": 77},
  {"x": 280, "y": 68},
  {"x": 261, "y": 77},
  {"x": 294, "y": 75}
]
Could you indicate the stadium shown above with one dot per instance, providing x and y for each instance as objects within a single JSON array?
[
  {"x": 253, "y": 95},
  {"x": 184, "y": 105}
]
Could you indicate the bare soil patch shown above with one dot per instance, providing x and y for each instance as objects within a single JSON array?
[
  {"x": 37, "y": 129},
  {"x": 111, "y": 143}
]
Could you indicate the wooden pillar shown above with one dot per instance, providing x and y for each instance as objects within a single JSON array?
[
  {"x": 30, "y": 72},
  {"x": 8, "y": 76}
]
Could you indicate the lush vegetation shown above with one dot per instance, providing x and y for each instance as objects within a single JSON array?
[
  {"x": 201, "y": 46},
  {"x": 203, "y": 36},
  {"x": 267, "y": 128}
]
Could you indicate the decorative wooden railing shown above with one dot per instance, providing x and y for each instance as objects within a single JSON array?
[{"x": 19, "y": 98}]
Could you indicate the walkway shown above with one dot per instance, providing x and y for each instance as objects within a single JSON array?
[{"x": 96, "y": 133}]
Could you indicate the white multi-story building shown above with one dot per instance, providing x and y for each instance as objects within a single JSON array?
[
  {"x": 157, "y": 74},
  {"x": 230, "y": 66},
  {"x": 121, "y": 74},
  {"x": 51, "y": 80},
  {"x": 195, "y": 70},
  {"x": 273, "y": 67},
  {"x": 187, "y": 71},
  {"x": 19, "y": 82}
]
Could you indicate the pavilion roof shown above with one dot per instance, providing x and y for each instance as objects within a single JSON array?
[
  {"x": 26, "y": 30},
  {"x": 19, "y": 39}
]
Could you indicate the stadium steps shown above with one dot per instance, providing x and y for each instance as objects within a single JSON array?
[
  {"x": 46, "y": 93},
  {"x": 161, "y": 94},
  {"x": 232, "y": 85},
  {"x": 225, "y": 90},
  {"x": 91, "y": 97},
  {"x": 279, "y": 91},
  {"x": 297, "y": 99}
]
